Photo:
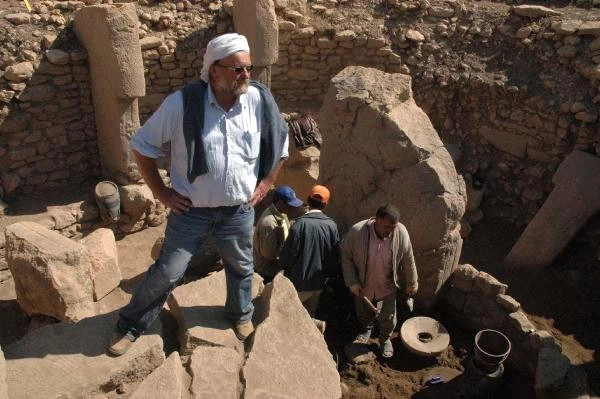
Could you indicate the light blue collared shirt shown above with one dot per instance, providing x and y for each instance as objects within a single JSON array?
[{"x": 231, "y": 143}]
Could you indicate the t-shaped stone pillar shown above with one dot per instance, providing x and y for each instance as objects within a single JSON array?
[
  {"x": 256, "y": 19},
  {"x": 110, "y": 35},
  {"x": 575, "y": 198}
]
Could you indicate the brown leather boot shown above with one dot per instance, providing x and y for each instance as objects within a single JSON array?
[
  {"x": 243, "y": 330},
  {"x": 119, "y": 344}
]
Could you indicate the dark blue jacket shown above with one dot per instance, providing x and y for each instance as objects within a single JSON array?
[{"x": 310, "y": 253}]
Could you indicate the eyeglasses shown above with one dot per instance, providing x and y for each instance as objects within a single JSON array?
[{"x": 237, "y": 69}]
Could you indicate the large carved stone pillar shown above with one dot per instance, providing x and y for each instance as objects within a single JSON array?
[
  {"x": 256, "y": 19},
  {"x": 110, "y": 35},
  {"x": 380, "y": 147}
]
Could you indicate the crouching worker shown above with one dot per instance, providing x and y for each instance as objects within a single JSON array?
[
  {"x": 376, "y": 257},
  {"x": 271, "y": 232},
  {"x": 310, "y": 250}
]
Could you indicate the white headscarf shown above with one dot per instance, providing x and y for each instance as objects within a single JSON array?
[{"x": 221, "y": 47}]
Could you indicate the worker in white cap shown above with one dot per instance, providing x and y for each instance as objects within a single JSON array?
[{"x": 228, "y": 142}]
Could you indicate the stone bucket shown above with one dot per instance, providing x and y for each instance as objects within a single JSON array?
[
  {"x": 491, "y": 349},
  {"x": 108, "y": 201}
]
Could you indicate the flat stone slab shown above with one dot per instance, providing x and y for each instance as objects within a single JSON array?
[
  {"x": 215, "y": 373},
  {"x": 533, "y": 11},
  {"x": 168, "y": 381},
  {"x": 199, "y": 308},
  {"x": 289, "y": 357},
  {"x": 69, "y": 360}
]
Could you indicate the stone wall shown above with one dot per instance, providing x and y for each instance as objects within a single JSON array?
[
  {"x": 476, "y": 299},
  {"x": 511, "y": 90},
  {"x": 47, "y": 128},
  {"x": 47, "y": 138}
]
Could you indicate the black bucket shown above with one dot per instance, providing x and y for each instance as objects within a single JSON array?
[
  {"x": 491, "y": 349},
  {"x": 108, "y": 201}
]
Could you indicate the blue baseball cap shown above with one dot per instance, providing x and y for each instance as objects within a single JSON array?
[{"x": 288, "y": 196}]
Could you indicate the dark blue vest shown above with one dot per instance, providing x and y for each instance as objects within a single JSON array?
[{"x": 273, "y": 131}]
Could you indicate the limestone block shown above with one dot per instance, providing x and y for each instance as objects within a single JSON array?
[
  {"x": 6, "y": 96},
  {"x": 15, "y": 122},
  {"x": 3, "y": 385},
  {"x": 521, "y": 323},
  {"x": 128, "y": 225},
  {"x": 379, "y": 146},
  {"x": 589, "y": 28},
  {"x": 3, "y": 211},
  {"x": 168, "y": 381},
  {"x": 57, "y": 57},
  {"x": 69, "y": 361},
  {"x": 566, "y": 27},
  {"x": 441, "y": 12},
  {"x": 465, "y": 228},
  {"x": 551, "y": 371},
  {"x": 136, "y": 199},
  {"x": 258, "y": 22},
  {"x": 215, "y": 372},
  {"x": 541, "y": 339},
  {"x": 19, "y": 72},
  {"x": 534, "y": 11},
  {"x": 301, "y": 170},
  {"x": 150, "y": 42},
  {"x": 157, "y": 214},
  {"x": 18, "y": 18},
  {"x": 474, "y": 197},
  {"x": 104, "y": 270},
  {"x": 510, "y": 143},
  {"x": 199, "y": 308},
  {"x": 300, "y": 6},
  {"x": 464, "y": 285},
  {"x": 86, "y": 211},
  {"x": 62, "y": 218},
  {"x": 289, "y": 359},
  {"x": 10, "y": 183},
  {"x": 575, "y": 198},
  {"x": 465, "y": 271},
  {"x": 489, "y": 285},
  {"x": 51, "y": 272},
  {"x": 577, "y": 386},
  {"x": 508, "y": 302}
]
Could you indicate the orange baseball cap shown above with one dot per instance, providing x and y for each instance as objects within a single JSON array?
[{"x": 320, "y": 193}]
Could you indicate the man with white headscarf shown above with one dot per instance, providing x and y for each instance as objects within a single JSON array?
[{"x": 228, "y": 142}]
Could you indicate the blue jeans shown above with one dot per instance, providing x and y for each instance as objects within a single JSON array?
[{"x": 231, "y": 229}]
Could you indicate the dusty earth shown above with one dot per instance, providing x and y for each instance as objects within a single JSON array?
[{"x": 563, "y": 299}]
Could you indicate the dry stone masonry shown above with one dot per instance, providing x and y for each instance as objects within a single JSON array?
[{"x": 478, "y": 300}]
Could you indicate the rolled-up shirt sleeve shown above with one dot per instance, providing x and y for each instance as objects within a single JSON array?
[{"x": 160, "y": 127}]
